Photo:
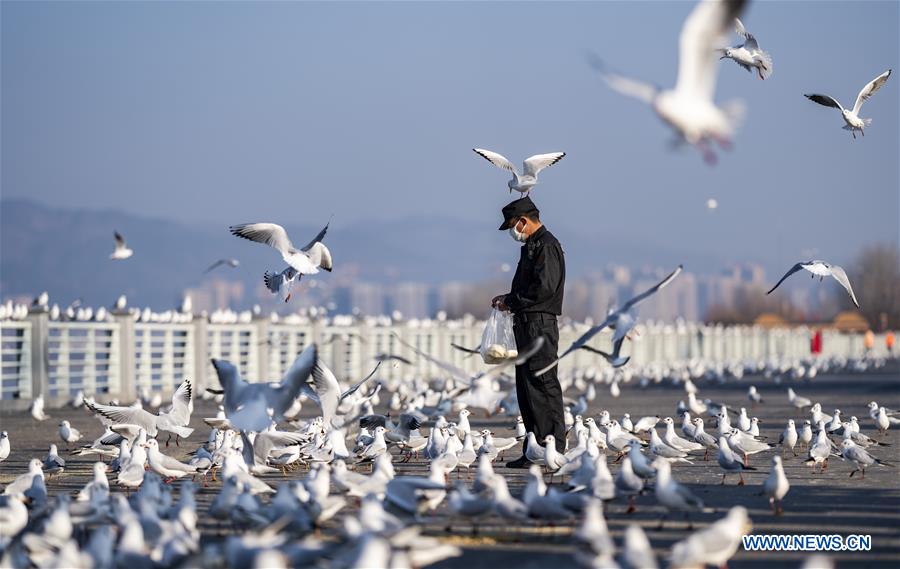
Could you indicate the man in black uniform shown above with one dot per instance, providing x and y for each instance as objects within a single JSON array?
[{"x": 535, "y": 300}]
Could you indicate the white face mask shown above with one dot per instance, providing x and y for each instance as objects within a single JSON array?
[{"x": 517, "y": 235}]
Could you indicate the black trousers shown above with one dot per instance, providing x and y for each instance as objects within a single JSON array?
[{"x": 540, "y": 398}]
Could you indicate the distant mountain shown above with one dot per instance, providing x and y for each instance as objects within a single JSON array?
[{"x": 66, "y": 252}]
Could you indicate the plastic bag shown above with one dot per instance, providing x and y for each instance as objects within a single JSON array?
[{"x": 498, "y": 343}]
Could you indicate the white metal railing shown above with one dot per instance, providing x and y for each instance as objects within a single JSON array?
[
  {"x": 82, "y": 356},
  {"x": 163, "y": 355},
  {"x": 15, "y": 364},
  {"x": 121, "y": 357},
  {"x": 283, "y": 344},
  {"x": 237, "y": 343}
]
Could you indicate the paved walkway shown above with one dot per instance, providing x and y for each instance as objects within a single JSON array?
[{"x": 817, "y": 503}]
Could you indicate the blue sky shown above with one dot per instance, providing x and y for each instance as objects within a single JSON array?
[{"x": 232, "y": 112}]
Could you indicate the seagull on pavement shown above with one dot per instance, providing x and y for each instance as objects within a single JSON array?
[
  {"x": 797, "y": 401},
  {"x": 851, "y": 116},
  {"x": 713, "y": 545},
  {"x": 851, "y": 452},
  {"x": 776, "y": 485}
]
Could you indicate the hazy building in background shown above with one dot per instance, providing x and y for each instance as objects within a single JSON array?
[{"x": 217, "y": 293}]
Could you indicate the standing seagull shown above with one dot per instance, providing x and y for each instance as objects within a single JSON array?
[
  {"x": 122, "y": 251},
  {"x": 622, "y": 320},
  {"x": 776, "y": 486},
  {"x": 689, "y": 107},
  {"x": 851, "y": 117},
  {"x": 524, "y": 182},
  {"x": 822, "y": 270},
  {"x": 4, "y": 446},
  {"x": 748, "y": 55},
  {"x": 233, "y": 263}
]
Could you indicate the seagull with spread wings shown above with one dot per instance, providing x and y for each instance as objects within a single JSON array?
[
  {"x": 253, "y": 406},
  {"x": 323, "y": 387},
  {"x": 281, "y": 283},
  {"x": 233, "y": 263},
  {"x": 478, "y": 390},
  {"x": 305, "y": 261},
  {"x": 821, "y": 269},
  {"x": 622, "y": 320},
  {"x": 851, "y": 116},
  {"x": 527, "y": 180},
  {"x": 689, "y": 108},
  {"x": 748, "y": 55},
  {"x": 122, "y": 251},
  {"x": 175, "y": 420}
]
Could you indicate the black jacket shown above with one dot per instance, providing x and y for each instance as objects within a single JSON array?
[{"x": 540, "y": 276}]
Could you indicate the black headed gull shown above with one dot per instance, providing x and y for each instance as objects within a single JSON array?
[
  {"x": 776, "y": 485},
  {"x": 281, "y": 283},
  {"x": 524, "y": 182},
  {"x": 713, "y": 545},
  {"x": 672, "y": 495},
  {"x": 822, "y": 270},
  {"x": 748, "y": 55},
  {"x": 622, "y": 320},
  {"x": 307, "y": 261},
  {"x": 252, "y": 406},
  {"x": 68, "y": 433},
  {"x": 4, "y": 446},
  {"x": 233, "y": 263},
  {"x": 174, "y": 421},
  {"x": 855, "y": 454},
  {"x": 323, "y": 387},
  {"x": 122, "y": 251},
  {"x": 851, "y": 116},
  {"x": 688, "y": 107}
]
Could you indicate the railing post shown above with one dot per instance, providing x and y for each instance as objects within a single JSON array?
[
  {"x": 201, "y": 352},
  {"x": 262, "y": 348},
  {"x": 127, "y": 382},
  {"x": 40, "y": 357}
]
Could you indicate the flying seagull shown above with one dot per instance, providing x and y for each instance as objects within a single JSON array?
[
  {"x": 822, "y": 270},
  {"x": 323, "y": 387},
  {"x": 253, "y": 406},
  {"x": 689, "y": 108},
  {"x": 175, "y": 420},
  {"x": 233, "y": 263},
  {"x": 122, "y": 251},
  {"x": 281, "y": 283},
  {"x": 307, "y": 261},
  {"x": 524, "y": 182},
  {"x": 851, "y": 117},
  {"x": 748, "y": 55},
  {"x": 622, "y": 320}
]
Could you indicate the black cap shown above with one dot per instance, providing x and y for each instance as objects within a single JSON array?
[{"x": 516, "y": 209}]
